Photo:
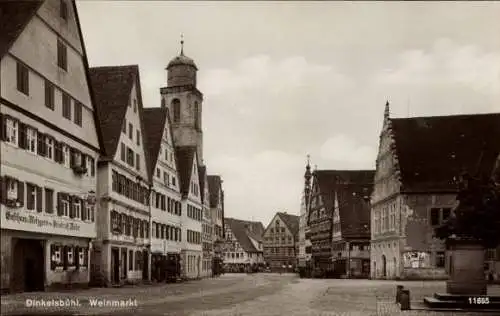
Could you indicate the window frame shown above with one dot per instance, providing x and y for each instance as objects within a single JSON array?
[
  {"x": 31, "y": 139},
  {"x": 65, "y": 205},
  {"x": 12, "y": 129},
  {"x": 62, "y": 55},
  {"x": 78, "y": 113},
  {"x": 49, "y": 95},
  {"x": 22, "y": 78},
  {"x": 66, "y": 106},
  {"x": 49, "y": 148}
]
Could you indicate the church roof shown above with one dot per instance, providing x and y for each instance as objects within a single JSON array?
[
  {"x": 433, "y": 150},
  {"x": 154, "y": 120},
  {"x": 291, "y": 221},
  {"x": 350, "y": 187},
  {"x": 214, "y": 187},
  {"x": 14, "y": 16},
  {"x": 185, "y": 157},
  {"x": 112, "y": 86}
]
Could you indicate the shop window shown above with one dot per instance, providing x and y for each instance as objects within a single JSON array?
[
  {"x": 70, "y": 255},
  {"x": 56, "y": 258}
]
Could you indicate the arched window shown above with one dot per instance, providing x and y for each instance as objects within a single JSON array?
[
  {"x": 176, "y": 106},
  {"x": 163, "y": 102},
  {"x": 196, "y": 115}
]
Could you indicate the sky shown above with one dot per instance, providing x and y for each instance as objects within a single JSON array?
[{"x": 282, "y": 80}]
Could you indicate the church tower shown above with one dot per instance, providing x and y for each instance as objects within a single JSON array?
[{"x": 184, "y": 102}]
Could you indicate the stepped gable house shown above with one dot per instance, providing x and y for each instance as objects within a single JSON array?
[
  {"x": 415, "y": 190},
  {"x": 338, "y": 219},
  {"x": 281, "y": 241},
  {"x": 49, "y": 144},
  {"x": 121, "y": 252}
]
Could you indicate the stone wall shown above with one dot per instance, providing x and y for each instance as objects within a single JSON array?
[{"x": 424, "y": 274}]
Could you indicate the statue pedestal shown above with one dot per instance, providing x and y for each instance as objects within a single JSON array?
[{"x": 466, "y": 268}]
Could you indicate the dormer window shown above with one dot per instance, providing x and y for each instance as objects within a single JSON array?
[{"x": 135, "y": 105}]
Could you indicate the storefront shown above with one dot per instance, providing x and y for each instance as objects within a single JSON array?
[{"x": 33, "y": 260}]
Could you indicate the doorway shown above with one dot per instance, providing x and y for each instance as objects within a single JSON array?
[
  {"x": 145, "y": 265},
  {"x": 395, "y": 267},
  {"x": 115, "y": 265},
  {"x": 28, "y": 273},
  {"x": 384, "y": 267},
  {"x": 124, "y": 263}
]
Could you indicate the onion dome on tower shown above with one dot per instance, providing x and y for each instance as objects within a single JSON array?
[{"x": 181, "y": 70}]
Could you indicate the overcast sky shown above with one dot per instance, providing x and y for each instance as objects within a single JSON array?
[{"x": 285, "y": 79}]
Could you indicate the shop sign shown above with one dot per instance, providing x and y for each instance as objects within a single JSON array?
[{"x": 46, "y": 223}]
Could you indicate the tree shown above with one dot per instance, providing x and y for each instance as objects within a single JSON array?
[{"x": 477, "y": 216}]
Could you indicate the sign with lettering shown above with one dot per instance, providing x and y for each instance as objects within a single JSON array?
[
  {"x": 158, "y": 246},
  {"x": 46, "y": 223}
]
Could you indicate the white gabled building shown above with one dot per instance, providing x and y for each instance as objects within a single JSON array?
[
  {"x": 207, "y": 225},
  {"x": 192, "y": 212},
  {"x": 166, "y": 207},
  {"x": 121, "y": 252},
  {"x": 49, "y": 147}
]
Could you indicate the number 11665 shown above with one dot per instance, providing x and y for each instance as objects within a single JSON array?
[{"x": 479, "y": 300}]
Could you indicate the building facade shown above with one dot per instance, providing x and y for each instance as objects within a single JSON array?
[
  {"x": 49, "y": 148},
  {"x": 281, "y": 242},
  {"x": 351, "y": 225},
  {"x": 415, "y": 187},
  {"x": 243, "y": 245},
  {"x": 166, "y": 206},
  {"x": 338, "y": 220},
  {"x": 207, "y": 227},
  {"x": 121, "y": 250},
  {"x": 217, "y": 214}
]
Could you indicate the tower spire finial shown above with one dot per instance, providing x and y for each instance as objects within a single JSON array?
[
  {"x": 386, "y": 110},
  {"x": 182, "y": 44},
  {"x": 308, "y": 159}
]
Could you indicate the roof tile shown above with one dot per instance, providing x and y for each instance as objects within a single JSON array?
[
  {"x": 154, "y": 120},
  {"x": 14, "y": 16},
  {"x": 433, "y": 150}
]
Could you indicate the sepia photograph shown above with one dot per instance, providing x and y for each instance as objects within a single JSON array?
[{"x": 259, "y": 158}]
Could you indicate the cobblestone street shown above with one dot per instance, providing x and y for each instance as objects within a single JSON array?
[{"x": 241, "y": 294}]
